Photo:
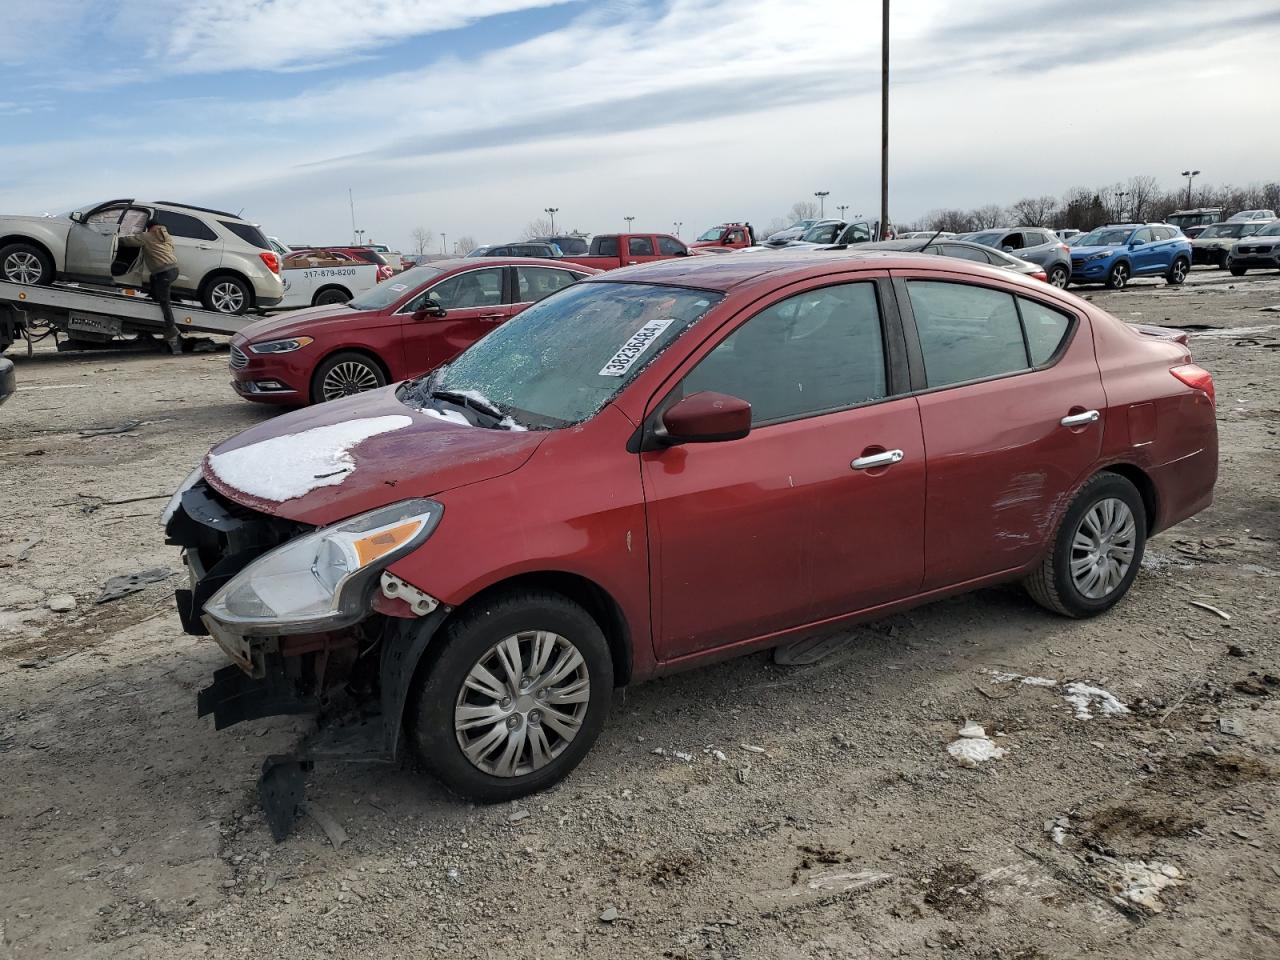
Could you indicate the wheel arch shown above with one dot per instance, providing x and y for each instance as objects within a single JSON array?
[
  {"x": 35, "y": 242},
  {"x": 1146, "y": 489},
  {"x": 214, "y": 274},
  {"x": 586, "y": 593},
  {"x": 330, "y": 286}
]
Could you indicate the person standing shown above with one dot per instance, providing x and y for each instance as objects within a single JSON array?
[{"x": 161, "y": 260}]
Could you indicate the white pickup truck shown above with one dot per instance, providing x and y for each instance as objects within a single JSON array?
[{"x": 314, "y": 278}]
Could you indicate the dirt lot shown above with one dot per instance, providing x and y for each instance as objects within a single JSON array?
[{"x": 746, "y": 810}]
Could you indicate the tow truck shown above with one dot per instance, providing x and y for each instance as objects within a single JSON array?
[{"x": 92, "y": 316}]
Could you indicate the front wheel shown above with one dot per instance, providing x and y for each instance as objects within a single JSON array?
[
  {"x": 516, "y": 697},
  {"x": 1096, "y": 551},
  {"x": 227, "y": 294},
  {"x": 25, "y": 263},
  {"x": 1060, "y": 276},
  {"x": 345, "y": 374},
  {"x": 1118, "y": 277},
  {"x": 1237, "y": 271},
  {"x": 1178, "y": 272}
]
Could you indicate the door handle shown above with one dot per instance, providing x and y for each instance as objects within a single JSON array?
[
  {"x": 491, "y": 316},
  {"x": 1081, "y": 419},
  {"x": 631, "y": 263},
  {"x": 886, "y": 459},
  {"x": 203, "y": 246}
]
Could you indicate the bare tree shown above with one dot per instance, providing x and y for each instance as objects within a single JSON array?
[
  {"x": 465, "y": 244},
  {"x": 987, "y": 216},
  {"x": 421, "y": 237},
  {"x": 541, "y": 227},
  {"x": 776, "y": 225},
  {"x": 1143, "y": 191},
  {"x": 952, "y": 221},
  {"x": 1034, "y": 211},
  {"x": 803, "y": 210}
]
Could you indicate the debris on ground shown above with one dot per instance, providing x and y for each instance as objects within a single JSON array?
[
  {"x": 974, "y": 747},
  {"x": 122, "y": 586},
  {"x": 848, "y": 882},
  {"x": 328, "y": 823},
  {"x": 1211, "y": 608},
  {"x": 61, "y": 603},
  {"x": 1231, "y": 727},
  {"x": 1140, "y": 883},
  {"x": 1086, "y": 699},
  {"x": 609, "y": 915}
]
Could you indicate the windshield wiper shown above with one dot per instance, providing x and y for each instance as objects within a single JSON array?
[{"x": 466, "y": 400}]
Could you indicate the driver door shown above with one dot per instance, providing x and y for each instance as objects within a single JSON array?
[
  {"x": 93, "y": 241},
  {"x": 474, "y": 301}
]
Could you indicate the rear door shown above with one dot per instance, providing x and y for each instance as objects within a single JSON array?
[
  {"x": 198, "y": 247},
  {"x": 534, "y": 283},
  {"x": 793, "y": 523},
  {"x": 642, "y": 249},
  {"x": 997, "y": 375},
  {"x": 475, "y": 301}
]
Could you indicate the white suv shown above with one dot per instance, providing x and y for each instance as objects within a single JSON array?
[{"x": 225, "y": 262}]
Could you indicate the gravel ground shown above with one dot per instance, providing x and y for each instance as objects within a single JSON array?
[{"x": 740, "y": 811}]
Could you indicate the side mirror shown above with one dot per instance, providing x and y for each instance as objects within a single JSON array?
[
  {"x": 1007, "y": 249},
  {"x": 429, "y": 310},
  {"x": 706, "y": 417},
  {"x": 76, "y": 216},
  {"x": 1136, "y": 243}
]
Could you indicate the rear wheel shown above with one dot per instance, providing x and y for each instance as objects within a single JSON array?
[
  {"x": 227, "y": 294},
  {"x": 1178, "y": 272},
  {"x": 1222, "y": 260},
  {"x": 1118, "y": 278},
  {"x": 345, "y": 374},
  {"x": 330, "y": 295},
  {"x": 25, "y": 263},
  {"x": 1237, "y": 271},
  {"x": 516, "y": 697},
  {"x": 1096, "y": 552},
  {"x": 1060, "y": 276}
]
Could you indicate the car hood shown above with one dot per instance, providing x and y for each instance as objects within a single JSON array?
[
  {"x": 295, "y": 323},
  {"x": 14, "y": 220},
  {"x": 334, "y": 460},
  {"x": 1086, "y": 251},
  {"x": 1214, "y": 241}
]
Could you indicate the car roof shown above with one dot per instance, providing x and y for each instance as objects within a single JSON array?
[
  {"x": 729, "y": 271},
  {"x": 454, "y": 263}
]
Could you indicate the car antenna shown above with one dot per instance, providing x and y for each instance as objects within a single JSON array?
[{"x": 931, "y": 239}]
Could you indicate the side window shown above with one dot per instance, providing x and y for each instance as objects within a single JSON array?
[
  {"x": 475, "y": 288},
  {"x": 1011, "y": 241},
  {"x": 181, "y": 225},
  {"x": 538, "y": 282},
  {"x": 735, "y": 236},
  {"x": 817, "y": 351},
  {"x": 1046, "y": 329},
  {"x": 964, "y": 253},
  {"x": 966, "y": 332},
  {"x": 1143, "y": 236},
  {"x": 106, "y": 218},
  {"x": 604, "y": 247},
  {"x": 670, "y": 247},
  {"x": 640, "y": 247},
  {"x": 857, "y": 233}
]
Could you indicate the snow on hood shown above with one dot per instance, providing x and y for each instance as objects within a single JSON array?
[{"x": 292, "y": 465}]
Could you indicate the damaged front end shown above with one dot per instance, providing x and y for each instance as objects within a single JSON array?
[{"x": 312, "y": 623}]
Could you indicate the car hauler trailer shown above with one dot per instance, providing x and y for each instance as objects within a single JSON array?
[{"x": 97, "y": 315}]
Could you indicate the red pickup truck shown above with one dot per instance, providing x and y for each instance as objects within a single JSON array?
[
  {"x": 725, "y": 237},
  {"x": 612, "y": 250}
]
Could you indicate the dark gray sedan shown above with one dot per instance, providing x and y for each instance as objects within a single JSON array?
[
  {"x": 1036, "y": 244},
  {"x": 961, "y": 250}
]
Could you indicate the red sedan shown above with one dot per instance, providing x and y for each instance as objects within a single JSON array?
[
  {"x": 401, "y": 328},
  {"x": 675, "y": 463}
]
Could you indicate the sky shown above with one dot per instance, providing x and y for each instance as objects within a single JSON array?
[{"x": 473, "y": 116}]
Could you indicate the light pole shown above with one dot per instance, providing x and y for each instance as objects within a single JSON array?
[
  {"x": 884, "y": 119},
  {"x": 822, "y": 201},
  {"x": 444, "y": 245},
  {"x": 842, "y": 208},
  {"x": 628, "y": 219},
  {"x": 1190, "y": 175},
  {"x": 677, "y": 224},
  {"x": 1121, "y": 196},
  {"x": 551, "y": 212}
]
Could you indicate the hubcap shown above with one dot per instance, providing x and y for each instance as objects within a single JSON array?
[
  {"x": 347, "y": 378},
  {"x": 227, "y": 297},
  {"x": 1102, "y": 548},
  {"x": 1179, "y": 271},
  {"x": 22, "y": 267},
  {"x": 1121, "y": 275},
  {"x": 1059, "y": 277},
  {"x": 522, "y": 704}
]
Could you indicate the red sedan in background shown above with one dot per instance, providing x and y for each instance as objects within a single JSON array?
[
  {"x": 671, "y": 464},
  {"x": 401, "y": 328}
]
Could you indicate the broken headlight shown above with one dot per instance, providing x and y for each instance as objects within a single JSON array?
[{"x": 319, "y": 581}]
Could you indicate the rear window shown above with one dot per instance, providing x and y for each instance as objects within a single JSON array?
[
  {"x": 246, "y": 232},
  {"x": 181, "y": 225}
]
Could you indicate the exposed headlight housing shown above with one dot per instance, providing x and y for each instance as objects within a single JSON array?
[
  {"x": 281, "y": 346},
  {"x": 322, "y": 580},
  {"x": 1101, "y": 256},
  {"x": 171, "y": 507}
]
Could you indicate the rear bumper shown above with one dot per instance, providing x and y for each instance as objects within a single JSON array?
[{"x": 1201, "y": 255}]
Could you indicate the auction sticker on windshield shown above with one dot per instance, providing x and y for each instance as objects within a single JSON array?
[{"x": 634, "y": 348}]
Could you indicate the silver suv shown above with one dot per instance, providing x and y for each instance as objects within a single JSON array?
[{"x": 223, "y": 261}]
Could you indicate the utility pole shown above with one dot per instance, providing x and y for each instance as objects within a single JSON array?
[
  {"x": 551, "y": 212},
  {"x": 677, "y": 224},
  {"x": 352, "y": 203},
  {"x": 1190, "y": 175},
  {"x": 628, "y": 219},
  {"x": 842, "y": 208},
  {"x": 1121, "y": 196},
  {"x": 884, "y": 120},
  {"x": 444, "y": 244},
  {"x": 822, "y": 201}
]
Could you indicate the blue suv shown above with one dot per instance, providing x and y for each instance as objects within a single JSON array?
[{"x": 1118, "y": 252}]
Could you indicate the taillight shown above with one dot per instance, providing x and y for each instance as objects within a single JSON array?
[
  {"x": 1064, "y": 248},
  {"x": 271, "y": 260},
  {"x": 1195, "y": 377},
  {"x": 1039, "y": 275}
]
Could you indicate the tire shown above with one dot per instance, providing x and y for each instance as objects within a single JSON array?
[
  {"x": 506, "y": 765},
  {"x": 330, "y": 295},
  {"x": 1118, "y": 278},
  {"x": 1177, "y": 274},
  {"x": 1062, "y": 582},
  {"x": 1060, "y": 276},
  {"x": 226, "y": 293},
  {"x": 1237, "y": 271},
  {"x": 25, "y": 263},
  {"x": 346, "y": 374},
  {"x": 1222, "y": 261}
]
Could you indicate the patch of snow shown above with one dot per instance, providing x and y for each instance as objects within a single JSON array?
[
  {"x": 291, "y": 466},
  {"x": 1140, "y": 883},
  {"x": 449, "y": 416},
  {"x": 973, "y": 731},
  {"x": 1086, "y": 699},
  {"x": 998, "y": 677},
  {"x": 506, "y": 423},
  {"x": 847, "y": 882},
  {"x": 969, "y": 751}
]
